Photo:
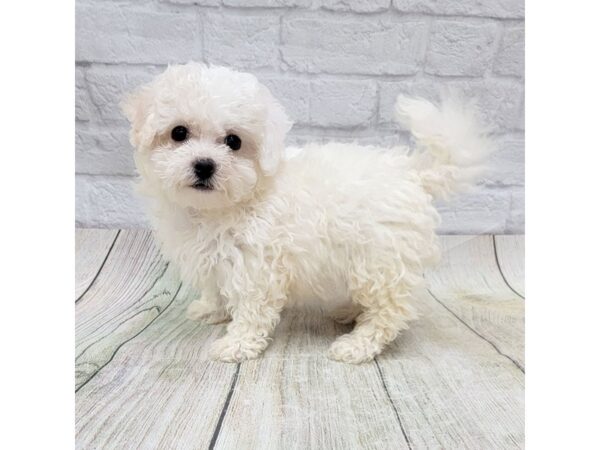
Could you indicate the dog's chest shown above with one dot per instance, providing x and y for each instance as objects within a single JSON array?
[
  {"x": 202, "y": 251},
  {"x": 312, "y": 269}
]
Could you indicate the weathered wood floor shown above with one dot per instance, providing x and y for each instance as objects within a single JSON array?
[{"x": 144, "y": 381}]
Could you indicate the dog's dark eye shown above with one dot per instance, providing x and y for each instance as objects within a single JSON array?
[
  {"x": 233, "y": 142},
  {"x": 179, "y": 133}
]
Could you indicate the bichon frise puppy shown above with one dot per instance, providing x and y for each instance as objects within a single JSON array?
[{"x": 256, "y": 228}]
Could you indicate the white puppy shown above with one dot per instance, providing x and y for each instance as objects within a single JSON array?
[{"x": 348, "y": 227}]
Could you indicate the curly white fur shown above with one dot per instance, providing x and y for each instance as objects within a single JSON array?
[{"x": 344, "y": 227}]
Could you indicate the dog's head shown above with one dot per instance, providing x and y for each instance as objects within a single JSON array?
[{"x": 205, "y": 136}]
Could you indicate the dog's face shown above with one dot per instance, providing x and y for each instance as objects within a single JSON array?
[{"x": 205, "y": 136}]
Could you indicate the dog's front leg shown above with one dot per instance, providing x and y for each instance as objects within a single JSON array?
[
  {"x": 253, "y": 320},
  {"x": 210, "y": 307}
]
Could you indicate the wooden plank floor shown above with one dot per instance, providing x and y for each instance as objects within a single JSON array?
[{"x": 144, "y": 380}]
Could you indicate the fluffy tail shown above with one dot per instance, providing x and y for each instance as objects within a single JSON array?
[{"x": 452, "y": 147}]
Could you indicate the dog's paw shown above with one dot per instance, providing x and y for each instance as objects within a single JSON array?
[
  {"x": 353, "y": 349},
  {"x": 234, "y": 349},
  {"x": 206, "y": 312}
]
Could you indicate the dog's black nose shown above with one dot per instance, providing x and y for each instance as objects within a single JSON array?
[{"x": 204, "y": 169}]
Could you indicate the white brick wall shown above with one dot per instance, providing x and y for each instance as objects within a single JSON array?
[{"x": 336, "y": 65}]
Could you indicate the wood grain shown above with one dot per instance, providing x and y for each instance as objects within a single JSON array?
[
  {"x": 468, "y": 283},
  {"x": 510, "y": 253},
  {"x": 452, "y": 389},
  {"x": 91, "y": 249},
  {"x": 144, "y": 380},
  {"x": 159, "y": 390},
  {"x": 296, "y": 398},
  {"x": 127, "y": 295}
]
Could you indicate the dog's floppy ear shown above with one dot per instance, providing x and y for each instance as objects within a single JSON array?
[
  {"x": 136, "y": 106},
  {"x": 276, "y": 127}
]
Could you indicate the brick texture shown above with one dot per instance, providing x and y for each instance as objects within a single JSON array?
[
  {"x": 337, "y": 103},
  {"x": 502, "y": 9},
  {"x": 330, "y": 44},
  {"x": 458, "y": 48},
  {"x": 112, "y": 32},
  {"x": 247, "y": 41},
  {"x": 511, "y": 55},
  {"x": 336, "y": 66}
]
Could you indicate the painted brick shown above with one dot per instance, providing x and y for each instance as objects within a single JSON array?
[
  {"x": 108, "y": 202},
  {"x": 293, "y": 94},
  {"x": 268, "y": 3},
  {"x": 485, "y": 8},
  {"x": 247, "y": 41},
  {"x": 121, "y": 42},
  {"x": 364, "y": 136},
  {"x": 338, "y": 103},
  {"x": 195, "y": 2},
  {"x": 510, "y": 59},
  {"x": 109, "y": 85},
  {"x": 116, "y": 32},
  {"x": 516, "y": 218},
  {"x": 481, "y": 212},
  {"x": 364, "y": 46},
  {"x": 359, "y": 6},
  {"x": 500, "y": 101},
  {"x": 506, "y": 166},
  {"x": 83, "y": 102},
  {"x": 379, "y": 139},
  {"x": 336, "y": 5},
  {"x": 458, "y": 48},
  {"x": 103, "y": 150}
]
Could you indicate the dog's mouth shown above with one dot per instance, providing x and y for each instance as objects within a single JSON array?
[{"x": 202, "y": 186}]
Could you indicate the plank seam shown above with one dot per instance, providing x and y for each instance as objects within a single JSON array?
[
  {"x": 217, "y": 431},
  {"x": 160, "y": 276},
  {"x": 100, "y": 268},
  {"x": 387, "y": 392},
  {"x": 521, "y": 368},
  {"x": 500, "y": 268},
  {"x": 133, "y": 304},
  {"x": 137, "y": 313},
  {"x": 129, "y": 340}
]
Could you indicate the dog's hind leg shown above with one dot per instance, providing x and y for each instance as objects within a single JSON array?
[{"x": 386, "y": 312}]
